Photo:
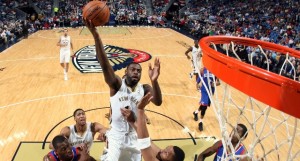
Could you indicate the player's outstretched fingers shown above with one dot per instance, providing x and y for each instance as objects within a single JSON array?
[{"x": 145, "y": 101}]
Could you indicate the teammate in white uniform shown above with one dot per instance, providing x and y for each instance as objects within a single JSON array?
[
  {"x": 66, "y": 45},
  {"x": 124, "y": 93},
  {"x": 83, "y": 132},
  {"x": 196, "y": 57}
]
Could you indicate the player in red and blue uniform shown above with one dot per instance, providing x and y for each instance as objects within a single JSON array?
[
  {"x": 63, "y": 151},
  {"x": 208, "y": 79},
  {"x": 53, "y": 156},
  {"x": 239, "y": 134}
]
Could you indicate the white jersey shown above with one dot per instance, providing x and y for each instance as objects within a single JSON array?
[
  {"x": 196, "y": 53},
  {"x": 196, "y": 58},
  {"x": 65, "y": 41},
  {"x": 124, "y": 97},
  {"x": 75, "y": 139}
]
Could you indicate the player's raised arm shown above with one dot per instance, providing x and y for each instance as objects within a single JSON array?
[
  {"x": 99, "y": 128},
  {"x": 209, "y": 151},
  {"x": 111, "y": 79},
  {"x": 149, "y": 151},
  {"x": 84, "y": 155},
  {"x": 154, "y": 73},
  {"x": 187, "y": 52}
]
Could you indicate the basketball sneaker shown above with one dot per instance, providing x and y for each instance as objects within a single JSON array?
[
  {"x": 200, "y": 126},
  {"x": 195, "y": 116}
]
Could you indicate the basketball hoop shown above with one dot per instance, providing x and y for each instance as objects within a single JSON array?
[{"x": 272, "y": 134}]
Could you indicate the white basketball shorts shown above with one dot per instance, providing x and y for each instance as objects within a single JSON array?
[
  {"x": 121, "y": 147},
  {"x": 65, "y": 56}
]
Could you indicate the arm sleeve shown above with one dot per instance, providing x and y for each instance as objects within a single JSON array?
[{"x": 144, "y": 143}]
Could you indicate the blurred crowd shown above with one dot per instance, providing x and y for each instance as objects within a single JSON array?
[
  {"x": 276, "y": 21},
  {"x": 269, "y": 20}
]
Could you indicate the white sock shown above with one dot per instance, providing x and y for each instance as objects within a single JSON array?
[
  {"x": 196, "y": 112},
  {"x": 201, "y": 120}
]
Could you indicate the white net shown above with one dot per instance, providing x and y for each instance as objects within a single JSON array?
[{"x": 272, "y": 134}]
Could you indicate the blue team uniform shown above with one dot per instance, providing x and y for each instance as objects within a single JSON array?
[
  {"x": 240, "y": 151},
  {"x": 205, "y": 101},
  {"x": 52, "y": 155}
]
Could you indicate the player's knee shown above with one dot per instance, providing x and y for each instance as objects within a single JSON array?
[{"x": 203, "y": 109}]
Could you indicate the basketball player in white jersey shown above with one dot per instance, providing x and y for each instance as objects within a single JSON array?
[
  {"x": 66, "y": 46},
  {"x": 124, "y": 93},
  {"x": 196, "y": 55},
  {"x": 82, "y": 132}
]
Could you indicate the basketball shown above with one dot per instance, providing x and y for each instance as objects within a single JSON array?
[{"x": 97, "y": 12}]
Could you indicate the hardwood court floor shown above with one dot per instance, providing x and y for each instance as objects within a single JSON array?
[{"x": 35, "y": 98}]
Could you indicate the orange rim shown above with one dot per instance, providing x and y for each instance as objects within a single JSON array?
[{"x": 272, "y": 89}]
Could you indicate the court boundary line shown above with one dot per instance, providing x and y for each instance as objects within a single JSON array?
[{"x": 17, "y": 150}]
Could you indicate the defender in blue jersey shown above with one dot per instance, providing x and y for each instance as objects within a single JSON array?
[
  {"x": 208, "y": 79},
  {"x": 239, "y": 134},
  {"x": 63, "y": 151}
]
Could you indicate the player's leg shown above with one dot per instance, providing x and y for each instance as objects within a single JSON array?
[
  {"x": 193, "y": 69},
  {"x": 66, "y": 67},
  {"x": 197, "y": 85},
  {"x": 203, "y": 109},
  {"x": 62, "y": 59},
  {"x": 195, "y": 113},
  {"x": 135, "y": 153},
  {"x": 112, "y": 151},
  {"x": 65, "y": 72},
  {"x": 204, "y": 102}
]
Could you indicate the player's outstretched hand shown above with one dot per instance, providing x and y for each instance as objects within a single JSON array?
[
  {"x": 90, "y": 26},
  {"x": 82, "y": 147},
  {"x": 155, "y": 71},
  {"x": 145, "y": 101},
  {"x": 128, "y": 114},
  {"x": 84, "y": 154}
]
